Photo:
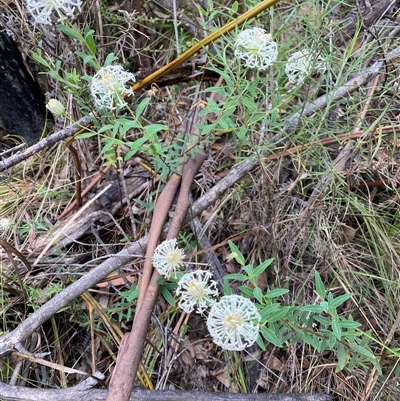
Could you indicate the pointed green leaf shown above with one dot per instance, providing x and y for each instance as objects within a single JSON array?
[
  {"x": 335, "y": 302},
  {"x": 277, "y": 292},
  {"x": 341, "y": 356},
  {"x": 72, "y": 33},
  {"x": 237, "y": 276},
  {"x": 141, "y": 106},
  {"x": 270, "y": 336},
  {"x": 167, "y": 295},
  {"x": 336, "y": 329},
  {"x": 319, "y": 286},
  {"x": 236, "y": 254},
  {"x": 257, "y": 293},
  {"x": 278, "y": 314},
  {"x": 261, "y": 268}
]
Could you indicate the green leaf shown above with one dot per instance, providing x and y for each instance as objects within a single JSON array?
[
  {"x": 135, "y": 147},
  {"x": 312, "y": 308},
  {"x": 249, "y": 270},
  {"x": 141, "y": 106},
  {"x": 270, "y": 336},
  {"x": 325, "y": 306},
  {"x": 212, "y": 106},
  {"x": 227, "y": 78},
  {"x": 205, "y": 128},
  {"x": 279, "y": 314},
  {"x": 336, "y": 329},
  {"x": 72, "y": 33},
  {"x": 320, "y": 289},
  {"x": 236, "y": 254},
  {"x": 110, "y": 59},
  {"x": 349, "y": 324},
  {"x": 90, "y": 43},
  {"x": 332, "y": 341},
  {"x": 234, "y": 7},
  {"x": 38, "y": 58},
  {"x": 105, "y": 128},
  {"x": 339, "y": 300},
  {"x": 261, "y": 343},
  {"x": 257, "y": 293},
  {"x": 242, "y": 132},
  {"x": 249, "y": 104},
  {"x": 341, "y": 356},
  {"x": 266, "y": 312},
  {"x": 323, "y": 320},
  {"x": 261, "y": 268},
  {"x": 85, "y": 135},
  {"x": 154, "y": 129},
  {"x": 88, "y": 59},
  {"x": 167, "y": 295},
  {"x": 107, "y": 146},
  {"x": 277, "y": 292},
  {"x": 362, "y": 350},
  {"x": 236, "y": 276},
  {"x": 227, "y": 289},
  {"x": 248, "y": 292}
]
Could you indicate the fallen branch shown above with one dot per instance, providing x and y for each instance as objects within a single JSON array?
[
  {"x": 83, "y": 392},
  {"x": 13, "y": 340},
  {"x": 44, "y": 143}
]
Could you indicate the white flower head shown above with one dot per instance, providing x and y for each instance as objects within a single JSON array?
[
  {"x": 42, "y": 10},
  {"x": 196, "y": 290},
  {"x": 109, "y": 87},
  {"x": 168, "y": 258},
  {"x": 5, "y": 224},
  {"x": 256, "y": 48},
  {"x": 233, "y": 322},
  {"x": 303, "y": 63}
]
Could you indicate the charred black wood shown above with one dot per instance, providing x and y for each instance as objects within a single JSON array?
[{"x": 22, "y": 104}]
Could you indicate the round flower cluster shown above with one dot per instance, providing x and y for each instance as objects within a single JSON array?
[
  {"x": 42, "y": 10},
  {"x": 234, "y": 322},
  {"x": 301, "y": 64},
  {"x": 256, "y": 48},
  {"x": 197, "y": 290},
  {"x": 109, "y": 87},
  {"x": 5, "y": 224},
  {"x": 168, "y": 258}
]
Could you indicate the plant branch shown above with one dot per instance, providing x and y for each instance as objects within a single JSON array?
[{"x": 46, "y": 142}]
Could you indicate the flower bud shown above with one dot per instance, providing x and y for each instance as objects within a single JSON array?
[{"x": 56, "y": 107}]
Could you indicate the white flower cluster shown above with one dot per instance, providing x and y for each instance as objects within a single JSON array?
[
  {"x": 42, "y": 10},
  {"x": 233, "y": 321},
  {"x": 108, "y": 87},
  {"x": 197, "y": 290},
  {"x": 168, "y": 258},
  {"x": 301, "y": 64},
  {"x": 5, "y": 224},
  {"x": 256, "y": 48}
]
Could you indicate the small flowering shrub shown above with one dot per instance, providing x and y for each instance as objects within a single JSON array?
[
  {"x": 236, "y": 322},
  {"x": 245, "y": 106}
]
